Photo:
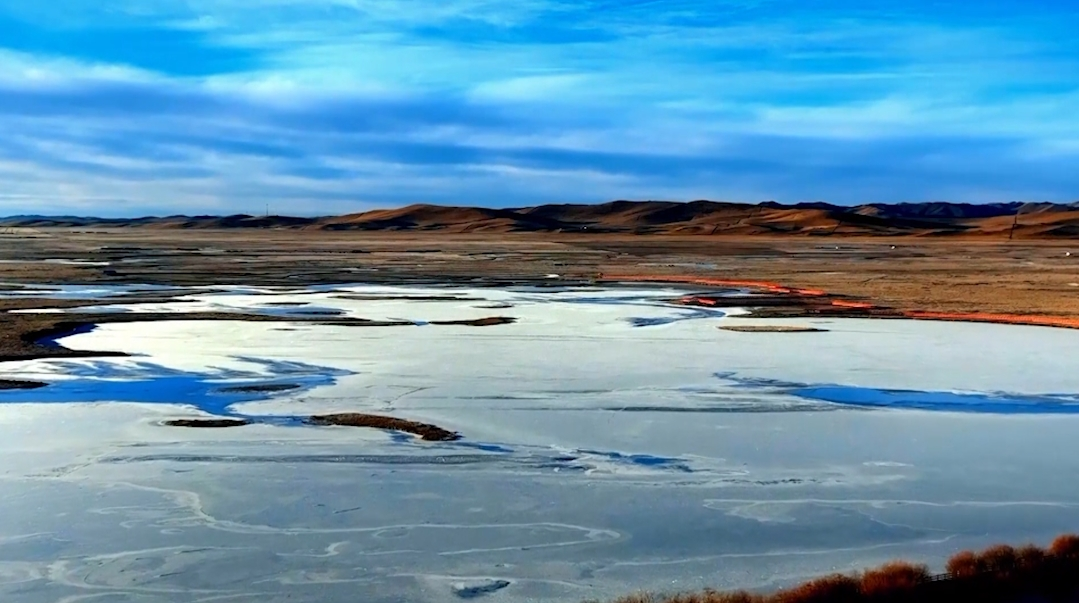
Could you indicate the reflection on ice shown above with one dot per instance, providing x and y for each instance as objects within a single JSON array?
[
  {"x": 1000, "y": 402},
  {"x": 868, "y": 397},
  {"x": 213, "y": 391}
]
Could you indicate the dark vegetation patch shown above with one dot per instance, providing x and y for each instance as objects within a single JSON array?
[
  {"x": 771, "y": 329},
  {"x": 207, "y": 423},
  {"x": 260, "y": 388},
  {"x": 440, "y": 298},
  {"x": 315, "y": 312},
  {"x": 42, "y": 303},
  {"x": 999, "y": 574},
  {"x": 475, "y": 591},
  {"x": 489, "y": 321},
  {"x": 428, "y": 432},
  {"x": 16, "y": 384}
]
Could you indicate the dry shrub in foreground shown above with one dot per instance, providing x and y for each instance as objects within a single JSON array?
[
  {"x": 893, "y": 577},
  {"x": 1000, "y": 560},
  {"x": 999, "y": 574},
  {"x": 708, "y": 596},
  {"x": 837, "y": 588},
  {"x": 1066, "y": 547},
  {"x": 1030, "y": 557},
  {"x": 964, "y": 565}
]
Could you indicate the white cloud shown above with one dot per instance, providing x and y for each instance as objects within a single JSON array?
[
  {"x": 27, "y": 70},
  {"x": 355, "y": 102},
  {"x": 547, "y": 88}
]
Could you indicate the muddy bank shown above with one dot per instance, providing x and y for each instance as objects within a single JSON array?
[
  {"x": 46, "y": 303},
  {"x": 427, "y": 432},
  {"x": 766, "y": 286},
  {"x": 1066, "y": 322},
  {"x": 777, "y": 301},
  {"x": 36, "y": 335}
]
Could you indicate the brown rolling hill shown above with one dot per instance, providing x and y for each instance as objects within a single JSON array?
[{"x": 935, "y": 219}]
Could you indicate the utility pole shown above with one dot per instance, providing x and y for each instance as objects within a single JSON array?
[{"x": 1015, "y": 222}]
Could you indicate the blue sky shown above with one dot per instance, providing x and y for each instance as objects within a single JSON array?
[{"x": 131, "y": 107}]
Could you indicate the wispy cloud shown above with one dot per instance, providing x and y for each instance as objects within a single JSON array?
[{"x": 324, "y": 106}]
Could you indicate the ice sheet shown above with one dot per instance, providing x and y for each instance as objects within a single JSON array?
[{"x": 612, "y": 442}]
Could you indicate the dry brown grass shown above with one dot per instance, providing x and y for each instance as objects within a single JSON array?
[{"x": 920, "y": 274}]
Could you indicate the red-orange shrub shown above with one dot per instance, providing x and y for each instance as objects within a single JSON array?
[
  {"x": 964, "y": 565},
  {"x": 1001, "y": 560},
  {"x": 893, "y": 577},
  {"x": 1030, "y": 557},
  {"x": 735, "y": 597},
  {"x": 1065, "y": 547},
  {"x": 642, "y": 598},
  {"x": 999, "y": 573},
  {"x": 836, "y": 588}
]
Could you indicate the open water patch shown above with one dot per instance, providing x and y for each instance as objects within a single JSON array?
[
  {"x": 305, "y": 311},
  {"x": 945, "y": 401},
  {"x": 996, "y": 402},
  {"x": 655, "y": 321},
  {"x": 641, "y": 460},
  {"x": 640, "y": 301},
  {"x": 214, "y": 391}
]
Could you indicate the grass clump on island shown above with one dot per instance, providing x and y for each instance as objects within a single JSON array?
[
  {"x": 771, "y": 329},
  {"x": 432, "y": 433},
  {"x": 207, "y": 423},
  {"x": 999, "y": 574}
]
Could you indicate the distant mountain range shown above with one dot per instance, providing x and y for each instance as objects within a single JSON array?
[{"x": 1025, "y": 220}]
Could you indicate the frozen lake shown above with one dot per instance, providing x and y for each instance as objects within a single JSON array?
[{"x": 611, "y": 441}]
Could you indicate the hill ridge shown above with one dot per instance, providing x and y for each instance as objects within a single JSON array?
[{"x": 700, "y": 217}]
